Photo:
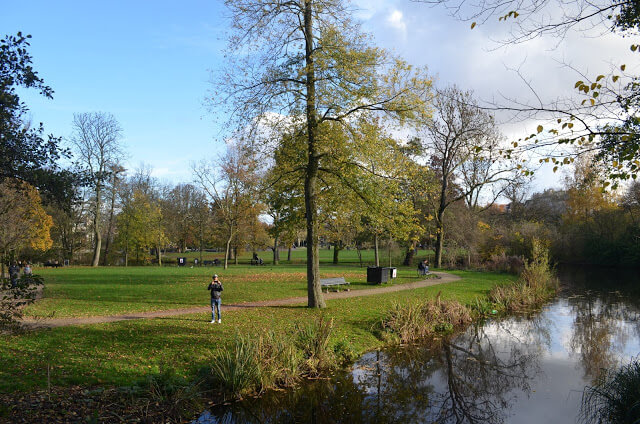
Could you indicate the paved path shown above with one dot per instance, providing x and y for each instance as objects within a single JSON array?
[{"x": 63, "y": 322}]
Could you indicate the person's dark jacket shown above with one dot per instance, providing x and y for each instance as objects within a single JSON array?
[{"x": 216, "y": 288}]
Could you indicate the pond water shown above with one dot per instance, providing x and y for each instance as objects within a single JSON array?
[{"x": 514, "y": 370}]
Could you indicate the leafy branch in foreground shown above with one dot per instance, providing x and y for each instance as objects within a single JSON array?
[{"x": 15, "y": 297}]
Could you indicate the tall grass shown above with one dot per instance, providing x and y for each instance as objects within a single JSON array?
[
  {"x": 536, "y": 285},
  {"x": 419, "y": 320},
  {"x": 174, "y": 397},
  {"x": 615, "y": 399},
  {"x": 253, "y": 365},
  {"x": 313, "y": 341},
  {"x": 237, "y": 370}
]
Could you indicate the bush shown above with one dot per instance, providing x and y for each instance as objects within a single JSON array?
[
  {"x": 14, "y": 298},
  {"x": 615, "y": 399}
]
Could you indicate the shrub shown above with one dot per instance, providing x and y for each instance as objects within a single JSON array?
[
  {"x": 14, "y": 298},
  {"x": 615, "y": 399}
]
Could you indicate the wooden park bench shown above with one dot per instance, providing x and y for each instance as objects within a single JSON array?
[{"x": 336, "y": 282}]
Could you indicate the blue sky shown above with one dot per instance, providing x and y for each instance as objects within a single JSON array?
[{"x": 148, "y": 63}]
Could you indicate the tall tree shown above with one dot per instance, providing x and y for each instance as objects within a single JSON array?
[
  {"x": 229, "y": 186},
  {"x": 115, "y": 181},
  {"x": 23, "y": 220},
  {"x": 25, "y": 154},
  {"x": 96, "y": 139},
  {"x": 178, "y": 210},
  {"x": 308, "y": 63},
  {"x": 459, "y": 134}
]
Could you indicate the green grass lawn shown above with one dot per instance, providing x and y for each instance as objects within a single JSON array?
[
  {"x": 124, "y": 352},
  {"x": 86, "y": 291}
]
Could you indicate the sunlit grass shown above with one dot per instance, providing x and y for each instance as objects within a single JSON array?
[
  {"x": 123, "y": 352},
  {"x": 86, "y": 291}
]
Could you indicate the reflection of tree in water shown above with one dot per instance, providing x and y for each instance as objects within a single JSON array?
[
  {"x": 600, "y": 330},
  {"x": 484, "y": 373},
  {"x": 470, "y": 379},
  {"x": 337, "y": 400}
]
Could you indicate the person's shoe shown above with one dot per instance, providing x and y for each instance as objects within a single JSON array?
[
  {"x": 219, "y": 321},
  {"x": 213, "y": 321}
]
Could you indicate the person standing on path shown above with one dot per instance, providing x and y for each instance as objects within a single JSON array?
[{"x": 215, "y": 286}]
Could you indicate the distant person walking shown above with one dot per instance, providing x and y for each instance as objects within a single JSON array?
[
  {"x": 14, "y": 274},
  {"x": 215, "y": 286}
]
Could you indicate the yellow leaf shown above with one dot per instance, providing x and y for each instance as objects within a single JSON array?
[{"x": 473, "y": 24}]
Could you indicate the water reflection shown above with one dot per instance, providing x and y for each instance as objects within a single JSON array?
[
  {"x": 517, "y": 370},
  {"x": 605, "y": 321}
]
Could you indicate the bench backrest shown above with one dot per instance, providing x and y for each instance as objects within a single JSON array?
[{"x": 332, "y": 281}]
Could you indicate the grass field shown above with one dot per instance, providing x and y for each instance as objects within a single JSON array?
[
  {"x": 86, "y": 291},
  {"x": 124, "y": 352}
]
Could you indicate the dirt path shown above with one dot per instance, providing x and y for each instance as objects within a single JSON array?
[{"x": 63, "y": 322}]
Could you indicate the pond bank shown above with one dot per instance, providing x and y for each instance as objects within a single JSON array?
[
  {"x": 137, "y": 354},
  {"x": 515, "y": 369}
]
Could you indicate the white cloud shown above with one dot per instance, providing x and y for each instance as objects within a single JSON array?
[{"x": 396, "y": 20}]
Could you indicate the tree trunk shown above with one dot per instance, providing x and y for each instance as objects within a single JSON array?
[
  {"x": 411, "y": 253},
  {"x": 97, "y": 232},
  {"x": 314, "y": 291},
  {"x": 276, "y": 257},
  {"x": 337, "y": 247},
  {"x": 375, "y": 249},
  {"x": 440, "y": 222},
  {"x": 159, "y": 255},
  {"x": 112, "y": 207},
  {"x": 439, "y": 245},
  {"x": 289, "y": 254},
  {"x": 226, "y": 254},
  {"x": 235, "y": 255}
]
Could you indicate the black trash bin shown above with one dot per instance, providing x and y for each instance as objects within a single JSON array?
[{"x": 377, "y": 274}]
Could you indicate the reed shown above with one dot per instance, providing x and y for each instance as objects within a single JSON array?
[
  {"x": 313, "y": 341},
  {"x": 615, "y": 398},
  {"x": 536, "y": 285},
  {"x": 419, "y": 320},
  {"x": 235, "y": 371}
]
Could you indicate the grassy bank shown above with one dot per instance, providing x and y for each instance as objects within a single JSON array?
[
  {"x": 121, "y": 353},
  {"x": 424, "y": 318}
]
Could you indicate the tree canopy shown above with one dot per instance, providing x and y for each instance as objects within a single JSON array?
[{"x": 25, "y": 153}]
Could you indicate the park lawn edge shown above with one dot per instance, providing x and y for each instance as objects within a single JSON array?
[{"x": 123, "y": 353}]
